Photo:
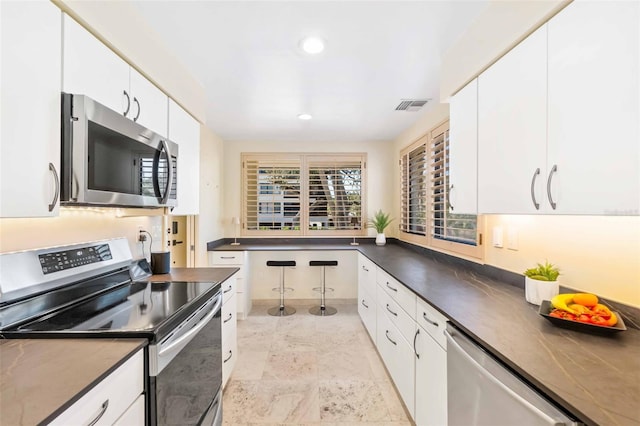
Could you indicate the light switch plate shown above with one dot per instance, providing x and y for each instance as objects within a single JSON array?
[
  {"x": 512, "y": 239},
  {"x": 497, "y": 236}
]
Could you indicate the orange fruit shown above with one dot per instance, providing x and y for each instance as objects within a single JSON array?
[{"x": 585, "y": 299}]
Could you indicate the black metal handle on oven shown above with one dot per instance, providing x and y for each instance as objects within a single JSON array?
[
  {"x": 103, "y": 410},
  {"x": 165, "y": 148}
]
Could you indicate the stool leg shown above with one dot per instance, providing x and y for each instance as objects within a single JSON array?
[
  {"x": 323, "y": 309},
  {"x": 281, "y": 310}
]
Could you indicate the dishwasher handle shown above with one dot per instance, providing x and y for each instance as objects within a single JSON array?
[{"x": 484, "y": 372}]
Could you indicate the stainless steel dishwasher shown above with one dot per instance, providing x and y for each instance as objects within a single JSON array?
[{"x": 481, "y": 391}]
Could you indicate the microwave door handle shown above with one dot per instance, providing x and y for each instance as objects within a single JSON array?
[{"x": 165, "y": 197}]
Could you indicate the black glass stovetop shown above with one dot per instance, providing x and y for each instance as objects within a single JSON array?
[{"x": 123, "y": 309}]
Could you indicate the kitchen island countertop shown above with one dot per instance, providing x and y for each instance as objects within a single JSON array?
[
  {"x": 40, "y": 378},
  {"x": 595, "y": 378}
]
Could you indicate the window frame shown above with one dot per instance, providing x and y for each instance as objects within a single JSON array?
[
  {"x": 428, "y": 240},
  {"x": 305, "y": 161}
]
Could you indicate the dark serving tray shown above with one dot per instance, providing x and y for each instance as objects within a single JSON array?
[{"x": 545, "y": 308}]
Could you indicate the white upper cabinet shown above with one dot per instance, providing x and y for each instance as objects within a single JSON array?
[
  {"x": 91, "y": 68},
  {"x": 30, "y": 50},
  {"x": 594, "y": 137},
  {"x": 185, "y": 131},
  {"x": 512, "y": 129},
  {"x": 463, "y": 150}
]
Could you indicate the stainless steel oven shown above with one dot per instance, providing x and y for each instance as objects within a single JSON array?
[
  {"x": 110, "y": 160},
  {"x": 95, "y": 290}
]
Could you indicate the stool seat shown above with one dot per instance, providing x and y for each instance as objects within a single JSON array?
[
  {"x": 322, "y": 309},
  {"x": 281, "y": 310},
  {"x": 281, "y": 263},
  {"x": 323, "y": 263}
]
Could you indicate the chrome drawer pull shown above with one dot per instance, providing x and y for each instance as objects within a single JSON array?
[
  {"x": 227, "y": 257},
  {"x": 394, "y": 289},
  {"x": 228, "y": 319},
  {"x": 424, "y": 315},
  {"x": 533, "y": 194},
  {"x": 394, "y": 313},
  {"x": 229, "y": 289},
  {"x": 415, "y": 337},
  {"x": 553, "y": 170},
  {"x": 364, "y": 304},
  {"x": 365, "y": 269},
  {"x": 103, "y": 410},
  {"x": 386, "y": 333},
  {"x": 230, "y": 356}
]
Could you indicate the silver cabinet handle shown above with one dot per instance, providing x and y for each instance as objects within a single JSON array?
[
  {"x": 138, "y": 114},
  {"x": 449, "y": 197},
  {"x": 426, "y": 318},
  {"x": 394, "y": 313},
  {"x": 533, "y": 184},
  {"x": 365, "y": 269},
  {"x": 386, "y": 333},
  {"x": 415, "y": 337},
  {"x": 228, "y": 290},
  {"x": 229, "y": 357},
  {"x": 394, "y": 289},
  {"x": 553, "y": 170},
  {"x": 227, "y": 257},
  {"x": 364, "y": 304},
  {"x": 228, "y": 319},
  {"x": 128, "y": 103},
  {"x": 52, "y": 168},
  {"x": 103, "y": 410}
]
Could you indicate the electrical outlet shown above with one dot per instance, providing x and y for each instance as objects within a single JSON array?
[{"x": 138, "y": 234}]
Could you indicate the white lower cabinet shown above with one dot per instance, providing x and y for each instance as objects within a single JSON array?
[
  {"x": 367, "y": 311},
  {"x": 229, "y": 330},
  {"x": 110, "y": 399},
  {"x": 431, "y": 381},
  {"x": 398, "y": 356},
  {"x": 227, "y": 259},
  {"x": 134, "y": 414}
]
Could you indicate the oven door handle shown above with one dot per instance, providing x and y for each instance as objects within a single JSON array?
[{"x": 196, "y": 328}]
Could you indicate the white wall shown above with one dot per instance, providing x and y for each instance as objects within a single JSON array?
[
  {"x": 380, "y": 187},
  {"x": 497, "y": 29},
  {"x": 209, "y": 226}
]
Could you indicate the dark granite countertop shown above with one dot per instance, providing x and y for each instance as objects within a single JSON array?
[
  {"x": 196, "y": 274},
  {"x": 596, "y": 378},
  {"x": 40, "y": 378}
]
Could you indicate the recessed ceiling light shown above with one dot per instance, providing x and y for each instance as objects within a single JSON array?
[
  {"x": 305, "y": 116},
  {"x": 312, "y": 45}
]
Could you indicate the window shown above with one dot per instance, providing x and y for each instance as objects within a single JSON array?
[
  {"x": 303, "y": 194},
  {"x": 426, "y": 215}
]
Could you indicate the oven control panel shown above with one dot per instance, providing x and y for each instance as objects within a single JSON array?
[{"x": 66, "y": 259}]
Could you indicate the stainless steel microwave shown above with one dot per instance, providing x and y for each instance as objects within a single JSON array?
[{"x": 110, "y": 160}]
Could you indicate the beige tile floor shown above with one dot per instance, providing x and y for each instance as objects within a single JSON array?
[{"x": 309, "y": 370}]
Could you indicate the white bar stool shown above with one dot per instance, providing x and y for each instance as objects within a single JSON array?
[{"x": 322, "y": 309}]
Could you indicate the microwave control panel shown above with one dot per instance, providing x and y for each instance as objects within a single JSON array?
[{"x": 66, "y": 259}]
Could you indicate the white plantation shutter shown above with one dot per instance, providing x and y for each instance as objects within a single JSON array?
[
  {"x": 302, "y": 194},
  {"x": 334, "y": 193},
  {"x": 444, "y": 224},
  {"x": 271, "y": 194},
  {"x": 413, "y": 167}
]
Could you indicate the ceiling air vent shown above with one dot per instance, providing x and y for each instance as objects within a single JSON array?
[{"x": 411, "y": 104}]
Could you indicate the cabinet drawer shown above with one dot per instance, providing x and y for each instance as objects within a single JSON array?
[
  {"x": 367, "y": 311},
  {"x": 432, "y": 321},
  {"x": 134, "y": 416},
  {"x": 406, "y": 325},
  {"x": 229, "y": 341},
  {"x": 226, "y": 257},
  {"x": 110, "y": 398},
  {"x": 228, "y": 289},
  {"x": 401, "y": 294},
  {"x": 229, "y": 317},
  {"x": 367, "y": 274}
]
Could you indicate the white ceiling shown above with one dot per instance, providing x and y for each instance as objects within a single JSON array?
[{"x": 257, "y": 80}]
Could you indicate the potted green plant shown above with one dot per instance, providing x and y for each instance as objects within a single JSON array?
[
  {"x": 380, "y": 221},
  {"x": 541, "y": 283}
]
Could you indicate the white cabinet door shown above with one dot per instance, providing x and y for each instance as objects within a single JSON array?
[
  {"x": 431, "y": 381},
  {"x": 185, "y": 131},
  {"x": 149, "y": 106},
  {"x": 31, "y": 55},
  {"x": 91, "y": 68},
  {"x": 512, "y": 129},
  {"x": 135, "y": 414},
  {"x": 463, "y": 150},
  {"x": 594, "y": 117},
  {"x": 367, "y": 311},
  {"x": 229, "y": 338}
]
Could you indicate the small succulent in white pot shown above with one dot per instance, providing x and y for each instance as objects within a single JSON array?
[
  {"x": 379, "y": 222},
  {"x": 541, "y": 283}
]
